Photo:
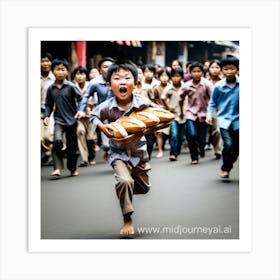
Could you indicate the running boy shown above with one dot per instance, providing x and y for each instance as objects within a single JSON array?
[
  {"x": 129, "y": 160},
  {"x": 171, "y": 99},
  {"x": 62, "y": 97},
  {"x": 198, "y": 90},
  {"x": 225, "y": 97}
]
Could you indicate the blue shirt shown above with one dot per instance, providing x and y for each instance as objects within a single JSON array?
[
  {"x": 226, "y": 100},
  {"x": 109, "y": 111},
  {"x": 103, "y": 93}
]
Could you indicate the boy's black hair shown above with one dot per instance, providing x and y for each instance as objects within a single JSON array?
[
  {"x": 177, "y": 70},
  {"x": 80, "y": 69},
  {"x": 230, "y": 60},
  {"x": 122, "y": 64},
  {"x": 58, "y": 61},
  {"x": 163, "y": 70},
  {"x": 107, "y": 58},
  {"x": 48, "y": 55},
  {"x": 150, "y": 66},
  {"x": 197, "y": 64}
]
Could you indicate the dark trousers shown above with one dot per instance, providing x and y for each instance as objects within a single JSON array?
[
  {"x": 72, "y": 150},
  {"x": 231, "y": 147},
  {"x": 196, "y": 136}
]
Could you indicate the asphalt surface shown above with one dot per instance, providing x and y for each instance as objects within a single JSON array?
[{"x": 185, "y": 202}]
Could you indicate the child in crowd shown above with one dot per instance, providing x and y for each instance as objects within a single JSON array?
[
  {"x": 198, "y": 90},
  {"x": 130, "y": 159},
  {"x": 157, "y": 90},
  {"x": 93, "y": 73},
  {"x": 171, "y": 98},
  {"x": 138, "y": 87},
  {"x": 148, "y": 82},
  {"x": 98, "y": 90},
  {"x": 86, "y": 135},
  {"x": 215, "y": 138},
  {"x": 47, "y": 78},
  {"x": 225, "y": 98},
  {"x": 62, "y": 98}
]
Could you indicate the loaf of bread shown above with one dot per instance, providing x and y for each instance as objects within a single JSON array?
[
  {"x": 131, "y": 125},
  {"x": 147, "y": 118},
  {"x": 118, "y": 130},
  {"x": 162, "y": 114}
]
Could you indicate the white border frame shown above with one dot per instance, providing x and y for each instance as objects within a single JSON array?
[{"x": 244, "y": 35}]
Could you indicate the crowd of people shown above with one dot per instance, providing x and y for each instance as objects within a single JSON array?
[{"x": 204, "y": 99}]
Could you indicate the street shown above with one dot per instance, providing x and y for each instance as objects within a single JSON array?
[{"x": 185, "y": 202}]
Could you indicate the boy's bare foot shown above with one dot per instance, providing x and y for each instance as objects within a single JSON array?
[
  {"x": 92, "y": 162},
  {"x": 56, "y": 172},
  {"x": 128, "y": 228},
  {"x": 75, "y": 173},
  {"x": 159, "y": 154}
]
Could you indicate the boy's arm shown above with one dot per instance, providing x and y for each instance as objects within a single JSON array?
[
  {"x": 181, "y": 102},
  {"x": 164, "y": 98},
  {"x": 212, "y": 105},
  {"x": 49, "y": 104},
  {"x": 89, "y": 92},
  {"x": 97, "y": 117}
]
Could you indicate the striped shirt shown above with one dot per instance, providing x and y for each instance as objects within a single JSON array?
[{"x": 109, "y": 111}]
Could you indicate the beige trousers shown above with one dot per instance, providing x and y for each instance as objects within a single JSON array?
[
  {"x": 85, "y": 133},
  {"x": 129, "y": 181},
  {"x": 217, "y": 140}
]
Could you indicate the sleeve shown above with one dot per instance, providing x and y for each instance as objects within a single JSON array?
[
  {"x": 49, "y": 104},
  {"x": 77, "y": 94},
  {"x": 212, "y": 105},
  {"x": 97, "y": 115},
  {"x": 89, "y": 92},
  {"x": 166, "y": 94},
  {"x": 183, "y": 94}
]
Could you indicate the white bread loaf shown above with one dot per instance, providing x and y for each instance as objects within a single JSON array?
[
  {"x": 147, "y": 118},
  {"x": 118, "y": 130},
  {"x": 162, "y": 114},
  {"x": 131, "y": 125}
]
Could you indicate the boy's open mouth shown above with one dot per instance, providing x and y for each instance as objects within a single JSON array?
[{"x": 123, "y": 90}]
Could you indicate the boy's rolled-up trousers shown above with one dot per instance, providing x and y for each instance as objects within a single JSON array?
[{"x": 129, "y": 181}]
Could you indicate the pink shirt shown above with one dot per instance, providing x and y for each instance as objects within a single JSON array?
[{"x": 198, "y": 98}]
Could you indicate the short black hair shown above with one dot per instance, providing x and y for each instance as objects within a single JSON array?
[
  {"x": 230, "y": 60},
  {"x": 58, "y": 61},
  {"x": 80, "y": 69},
  {"x": 197, "y": 64},
  {"x": 150, "y": 66},
  {"x": 122, "y": 64},
  {"x": 163, "y": 70},
  {"x": 177, "y": 70},
  {"x": 48, "y": 55},
  {"x": 107, "y": 58}
]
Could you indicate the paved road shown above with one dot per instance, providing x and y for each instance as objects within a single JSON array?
[{"x": 185, "y": 202}]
